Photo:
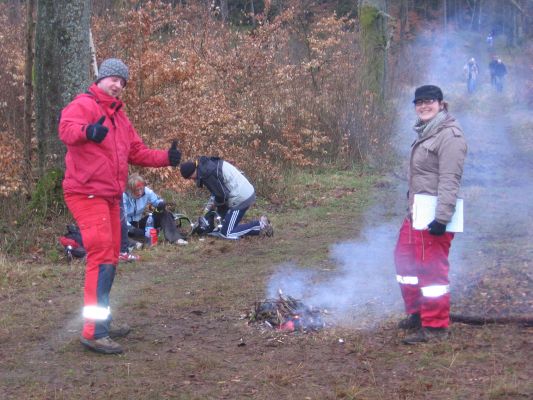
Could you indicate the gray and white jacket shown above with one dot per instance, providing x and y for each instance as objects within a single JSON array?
[{"x": 227, "y": 184}]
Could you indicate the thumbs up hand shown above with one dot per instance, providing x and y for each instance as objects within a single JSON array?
[
  {"x": 174, "y": 155},
  {"x": 97, "y": 132}
]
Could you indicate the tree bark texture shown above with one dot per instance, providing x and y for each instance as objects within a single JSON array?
[
  {"x": 62, "y": 69},
  {"x": 224, "y": 10},
  {"x": 374, "y": 43},
  {"x": 28, "y": 94}
]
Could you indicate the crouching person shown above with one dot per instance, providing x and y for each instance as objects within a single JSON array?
[
  {"x": 231, "y": 195},
  {"x": 136, "y": 198}
]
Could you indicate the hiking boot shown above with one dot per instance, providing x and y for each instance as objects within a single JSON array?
[
  {"x": 427, "y": 334},
  {"x": 103, "y": 345},
  {"x": 118, "y": 330},
  {"x": 411, "y": 322},
  {"x": 128, "y": 257},
  {"x": 266, "y": 228}
]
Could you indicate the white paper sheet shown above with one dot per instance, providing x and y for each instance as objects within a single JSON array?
[{"x": 424, "y": 212}]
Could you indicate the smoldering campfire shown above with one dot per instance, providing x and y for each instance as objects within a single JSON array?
[{"x": 286, "y": 314}]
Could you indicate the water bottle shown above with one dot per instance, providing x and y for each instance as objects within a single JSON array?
[{"x": 148, "y": 227}]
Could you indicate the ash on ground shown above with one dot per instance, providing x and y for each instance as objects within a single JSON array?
[{"x": 286, "y": 314}]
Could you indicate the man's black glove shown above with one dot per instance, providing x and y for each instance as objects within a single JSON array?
[
  {"x": 174, "y": 155},
  {"x": 97, "y": 132},
  {"x": 436, "y": 228}
]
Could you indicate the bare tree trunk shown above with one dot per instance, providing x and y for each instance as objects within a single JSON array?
[
  {"x": 224, "y": 10},
  {"x": 93, "y": 54},
  {"x": 62, "y": 69},
  {"x": 14, "y": 14},
  {"x": 445, "y": 14},
  {"x": 387, "y": 40},
  {"x": 28, "y": 95},
  {"x": 252, "y": 11},
  {"x": 404, "y": 18},
  {"x": 472, "y": 19},
  {"x": 479, "y": 15}
]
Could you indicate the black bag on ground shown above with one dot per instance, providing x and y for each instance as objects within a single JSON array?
[
  {"x": 207, "y": 223},
  {"x": 168, "y": 225},
  {"x": 72, "y": 242}
]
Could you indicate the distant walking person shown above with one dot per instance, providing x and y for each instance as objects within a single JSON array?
[
  {"x": 231, "y": 195},
  {"x": 490, "y": 40},
  {"x": 421, "y": 256},
  {"x": 500, "y": 70},
  {"x": 101, "y": 141},
  {"x": 471, "y": 71},
  {"x": 497, "y": 72}
]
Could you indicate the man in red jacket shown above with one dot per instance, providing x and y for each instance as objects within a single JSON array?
[{"x": 101, "y": 141}]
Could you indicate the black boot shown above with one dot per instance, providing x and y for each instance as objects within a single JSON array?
[
  {"x": 103, "y": 345},
  {"x": 411, "y": 322},
  {"x": 427, "y": 334},
  {"x": 118, "y": 330}
]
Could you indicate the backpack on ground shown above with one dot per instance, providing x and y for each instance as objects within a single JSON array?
[{"x": 72, "y": 243}]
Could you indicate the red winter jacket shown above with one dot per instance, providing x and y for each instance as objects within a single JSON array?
[{"x": 102, "y": 168}]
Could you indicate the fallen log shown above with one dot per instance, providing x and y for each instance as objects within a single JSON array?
[{"x": 479, "y": 320}]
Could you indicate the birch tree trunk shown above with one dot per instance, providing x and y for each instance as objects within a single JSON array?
[{"x": 62, "y": 69}]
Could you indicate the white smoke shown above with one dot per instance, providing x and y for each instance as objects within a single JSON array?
[
  {"x": 497, "y": 188},
  {"x": 362, "y": 285}
]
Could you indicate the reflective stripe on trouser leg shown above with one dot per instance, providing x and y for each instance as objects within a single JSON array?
[
  {"x": 99, "y": 222},
  {"x": 231, "y": 229},
  {"x": 99, "y": 315},
  {"x": 406, "y": 268},
  {"x": 435, "y": 291},
  {"x": 433, "y": 279},
  {"x": 106, "y": 276}
]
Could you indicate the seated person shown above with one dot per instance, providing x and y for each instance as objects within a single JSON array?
[
  {"x": 126, "y": 245},
  {"x": 231, "y": 195},
  {"x": 135, "y": 200}
]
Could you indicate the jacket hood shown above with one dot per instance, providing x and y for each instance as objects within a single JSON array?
[{"x": 207, "y": 166}]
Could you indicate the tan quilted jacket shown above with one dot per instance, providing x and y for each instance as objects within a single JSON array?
[{"x": 436, "y": 166}]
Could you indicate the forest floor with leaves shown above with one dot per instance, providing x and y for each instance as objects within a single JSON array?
[
  {"x": 191, "y": 338},
  {"x": 188, "y": 306}
]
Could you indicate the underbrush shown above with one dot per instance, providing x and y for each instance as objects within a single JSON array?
[{"x": 301, "y": 196}]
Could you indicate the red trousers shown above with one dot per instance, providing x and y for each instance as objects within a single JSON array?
[
  {"x": 99, "y": 222},
  {"x": 422, "y": 271}
]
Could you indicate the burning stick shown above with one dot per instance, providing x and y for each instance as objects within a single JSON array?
[{"x": 286, "y": 313}]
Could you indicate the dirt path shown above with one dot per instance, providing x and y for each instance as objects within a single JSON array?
[{"x": 191, "y": 339}]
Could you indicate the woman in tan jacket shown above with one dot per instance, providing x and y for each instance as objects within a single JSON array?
[{"x": 421, "y": 255}]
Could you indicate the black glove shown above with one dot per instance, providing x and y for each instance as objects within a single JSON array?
[
  {"x": 174, "y": 155},
  {"x": 436, "y": 228},
  {"x": 161, "y": 206},
  {"x": 97, "y": 132}
]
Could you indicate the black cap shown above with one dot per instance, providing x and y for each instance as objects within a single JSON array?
[
  {"x": 187, "y": 169},
  {"x": 428, "y": 92}
]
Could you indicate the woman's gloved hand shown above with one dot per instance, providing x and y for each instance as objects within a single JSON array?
[{"x": 436, "y": 228}]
